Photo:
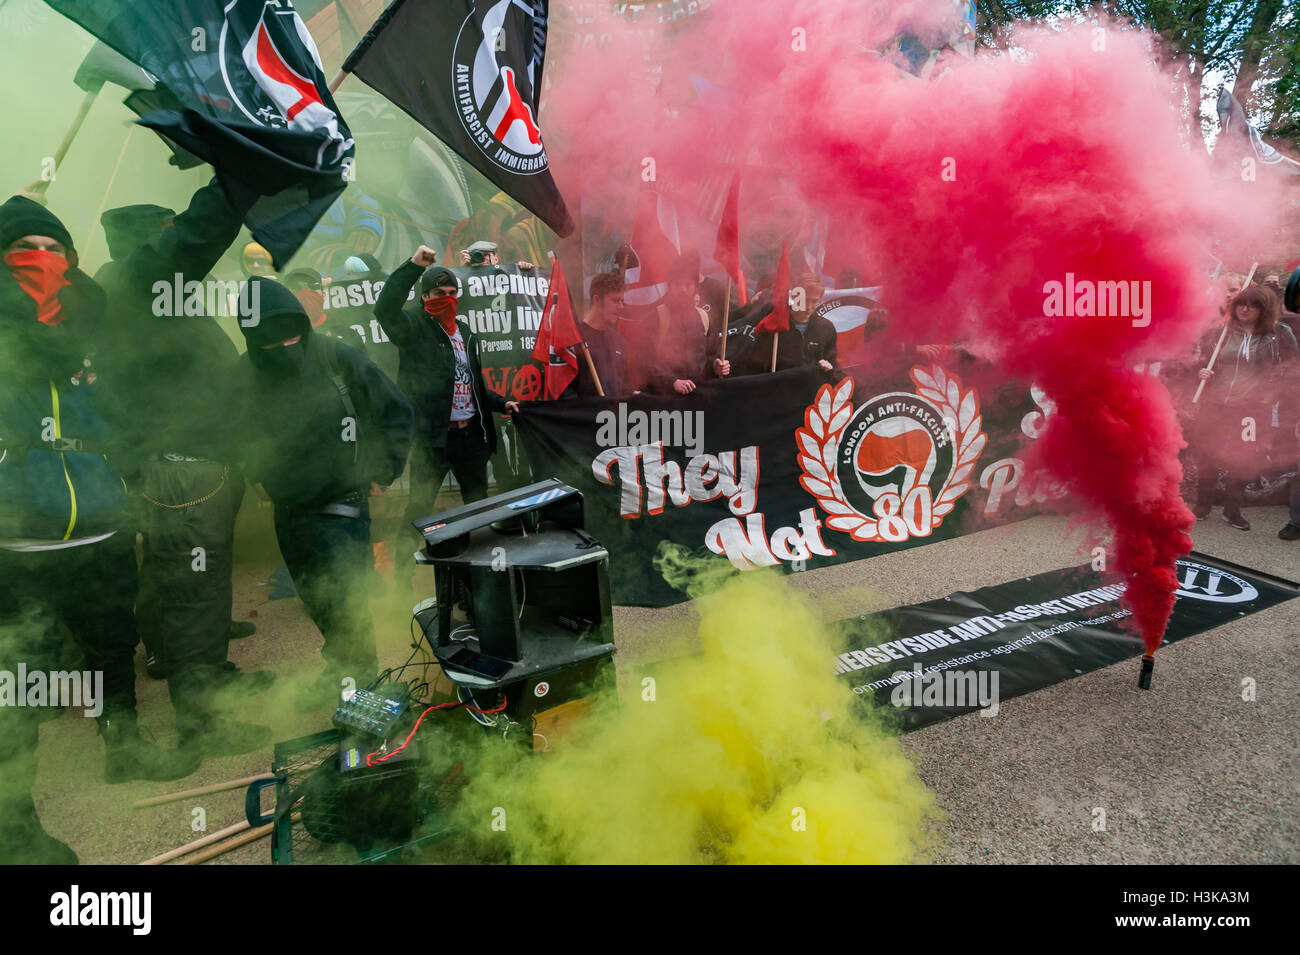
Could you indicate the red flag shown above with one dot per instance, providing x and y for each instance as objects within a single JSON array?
[
  {"x": 655, "y": 242},
  {"x": 779, "y": 318},
  {"x": 556, "y": 336},
  {"x": 727, "y": 249}
]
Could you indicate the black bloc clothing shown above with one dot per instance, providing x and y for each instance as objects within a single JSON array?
[
  {"x": 793, "y": 348},
  {"x": 465, "y": 455},
  {"x": 435, "y": 369},
  {"x": 427, "y": 370},
  {"x": 90, "y": 590},
  {"x": 187, "y": 521},
  {"x": 328, "y": 556},
  {"x": 609, "y": 355},
  {"x": 302, "y": 443}
]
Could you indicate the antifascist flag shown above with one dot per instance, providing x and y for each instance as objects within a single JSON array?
[
  {"x": 778, "y": 320},
  {"x": 470, "y": 72},
  {"x": 242, "y": 88},
  {"x": 727, "y": 250},
  {"x": 556, "y": 336},
  {"x": 103, "y": 65}
]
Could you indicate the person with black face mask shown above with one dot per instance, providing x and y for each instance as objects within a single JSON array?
[
  {"x": 324, "y": 429},
  {"x": 440, "y": 371},
  {"x": 66, "y": 548},
  {"x": 173, "y": 378}
]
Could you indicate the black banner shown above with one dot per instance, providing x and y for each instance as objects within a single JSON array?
[
  {"x": 503, "y": 306},
  {"x": 970, "y": 651},
  {"x": 470, "y": 72},
  {"x": 797, "y": 469}
]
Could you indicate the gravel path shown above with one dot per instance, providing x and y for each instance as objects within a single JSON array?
[{"x": 1186, "y": 773}]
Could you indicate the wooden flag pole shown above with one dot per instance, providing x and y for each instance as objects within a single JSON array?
[
  {"x": 198, "y": 844},
  {"x": 1227, "y": 320},
  {"x": 726, "y": 317},
  {"x": 111, "y": 179},
  {"x": 200, "y": 791},
  {"x": 83, "y": 111},
  {"x": 586, "y": 353},
  {"x": 775, "y": 335},
  {"x": 335, "y": 83}
]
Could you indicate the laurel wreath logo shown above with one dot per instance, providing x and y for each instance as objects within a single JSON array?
[{"x": 828, "y": 416}]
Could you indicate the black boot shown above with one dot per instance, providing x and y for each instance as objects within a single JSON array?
[
  {"x": 200, "y": 727},
  {"x": 24, "y": 841},
  {"x": 218, "y": 735},
  {"x": 231, "y": 679},
  {"x": 127, "y": 756}
]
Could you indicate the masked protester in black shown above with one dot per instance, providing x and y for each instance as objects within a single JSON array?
[
  {"x": 173, "y": 371},
  {"x": 440, "y": 370},
  {"x": 66, "y": 548},
  {"x": 325, "y": 428}
]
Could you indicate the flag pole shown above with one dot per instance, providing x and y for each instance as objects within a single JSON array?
[
  {"x": 1227, "y": 319},
  {"x": 82, "y": 112},
  {"x": 775, "y": 335},
  {"x": 335, "y": 83},
  {"x": 726, "y": 316},
  {"x": 586, "y": 353},
  {"x": 111, "y": 179}
]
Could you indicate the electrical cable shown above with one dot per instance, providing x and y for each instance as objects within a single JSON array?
[{"x": 371, "y": 759}]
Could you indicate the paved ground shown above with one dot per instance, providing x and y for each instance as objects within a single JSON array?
[{"x": 1186, "y": 773}]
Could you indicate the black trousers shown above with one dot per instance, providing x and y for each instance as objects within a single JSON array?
[
  {"x": 89, "y": 589},
  {"x": 329, "y": 558},
  {"x": 465, "y": 455},
  {"x": 185, "y": 576}
]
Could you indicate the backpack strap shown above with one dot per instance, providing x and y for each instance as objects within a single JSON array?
[{"x": 345, "y": 395}]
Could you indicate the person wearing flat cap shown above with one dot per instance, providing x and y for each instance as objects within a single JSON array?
[
  {"x": 324, "y": 430},
  {"x": 440, "y": 371},
  {"x": 67, "y": 548}
]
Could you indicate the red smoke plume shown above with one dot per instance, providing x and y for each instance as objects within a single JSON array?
[{"x": 968, "y": 193}]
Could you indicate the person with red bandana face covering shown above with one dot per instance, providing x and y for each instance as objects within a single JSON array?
[
  {"x": 439, "y": 371},
  {"x": 66, "y": 552}
]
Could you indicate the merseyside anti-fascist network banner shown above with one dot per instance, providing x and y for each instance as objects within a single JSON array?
[
  {"x": 795, "y": 470},
  {"x": 501, "y": 304},
  {"x": 973, "y": 650}
]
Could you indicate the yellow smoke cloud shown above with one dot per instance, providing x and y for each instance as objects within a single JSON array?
[{"x": 750, "y": 752}]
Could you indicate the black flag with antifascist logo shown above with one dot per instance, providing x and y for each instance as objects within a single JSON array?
[
  {"x": 246, "y": 92},
  {"x": 470, "y": 72}
]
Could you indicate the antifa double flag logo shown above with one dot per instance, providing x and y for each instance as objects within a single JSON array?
[
  {"x": 281, "y": 92},
  {"x": 494, "y": 95},
  {"x": 470, "y": 72},
  {"x": 239, "y": 84}
]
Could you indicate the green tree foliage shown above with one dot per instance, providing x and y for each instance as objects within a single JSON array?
[{"x": 1252, "y": 46}]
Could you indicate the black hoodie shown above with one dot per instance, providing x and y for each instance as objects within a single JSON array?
[
  {"x": 298, "y": 442},
  {"x": 171, "y": 374}
]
